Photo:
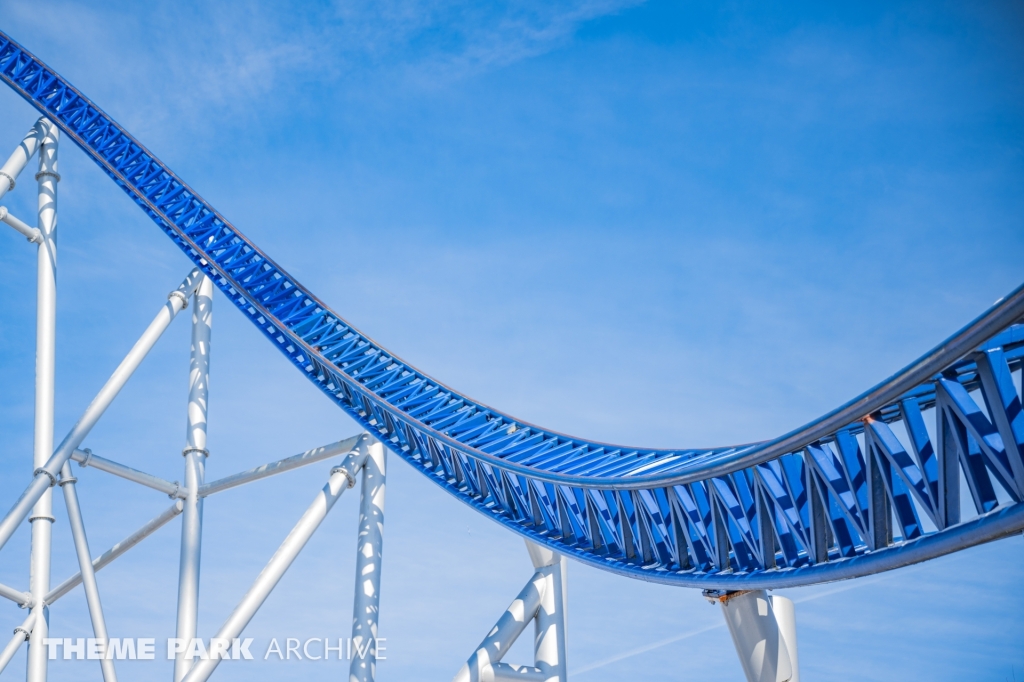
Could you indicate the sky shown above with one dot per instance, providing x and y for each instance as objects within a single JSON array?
[{"x": 668, "y": 224}]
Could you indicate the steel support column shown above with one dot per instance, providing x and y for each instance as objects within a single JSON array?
[
  {"x": 369, "y": 546},
  {"x": 46, "y": 325},
  {"x": 542, "y": 600},
  {"x": 549, "y": 641},
  {"x": 195, "y": 453},
  {"x": 763, "y": 630}
]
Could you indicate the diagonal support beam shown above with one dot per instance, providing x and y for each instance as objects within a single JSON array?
[
  {"x": 46, "y": 476},
  {"x": 21, "y": 633},
  {"x": 117, "y": 550},
  {"x": 342, "y": 478},
  {"x": 342, "y": 447},
  {"x": 542, "y": 600},
  {"x": 92, "y": 590}
]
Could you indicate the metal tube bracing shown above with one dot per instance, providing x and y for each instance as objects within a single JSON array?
[
  {"x": 17, "y": 596},
  {"x": 342, "y": 477},
  {"x": 86, "y": 458},
  {"x": 503, "y": 635},
  {"x": 41, "y": 517},
  {"x": 21, "y": 633},
  {"x": 92, "y": 590},
  {"x": 543, "y": 601},
  {"x": 31, "y": 233},
  {"x": 342, "y": 447},
  {"x": 195, "y": 453},
  {"x": 117, "y": 550},
  {"x": 46, "y": 476},
  {"x": 369, "y": 550},
  {"x": 812, "y": 505}
]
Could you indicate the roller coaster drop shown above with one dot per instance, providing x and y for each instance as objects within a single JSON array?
[{"x": 871, "y": 486}]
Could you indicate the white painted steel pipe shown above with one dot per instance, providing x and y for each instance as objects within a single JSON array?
[
  {"x": 92, "y": 590},
  {"x": 117, "y": 550},
  {"x": 46, "y": 332},
  {"x": 30, "y": 233},
  {"x": 369, "y": 553},
  {"x": 17, "y": 161},
  {"x": 86, "y": 458},
  {"x": 342, "y": 447},
  {"x": 46, "y": 476},
  {"x": 762, "y": 649},
  {"x": 21, "y": 633},
  {"x": 503, "y": 635},
  {"x": 342, "y": 477},
  {"x": 17, "y": 596},
  {"x": 550, "y": 644},
  {"x": 785, "y": 616},
  {"x": 195, "y": 453}
]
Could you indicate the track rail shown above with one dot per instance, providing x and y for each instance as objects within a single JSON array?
[{"x": 872, "y": 485}]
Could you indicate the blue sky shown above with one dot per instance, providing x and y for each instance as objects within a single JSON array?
[{"x": 666, "y": 224}]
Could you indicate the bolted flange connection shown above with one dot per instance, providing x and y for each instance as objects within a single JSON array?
[
  {"x": 179, "y": 295},
  {"x": 348, "y": 476},
  {"x": 41, "y": 470}
]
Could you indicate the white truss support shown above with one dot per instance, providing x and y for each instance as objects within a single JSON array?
[
  {"x": 21, "y": 633},
  {"x": 16, "y": 163},
  {"x": 195, "y": 453},
  {"x": 369, "y": 548},
  {"x": 340, "y": 448},
  {"x": 92, "y": 590},
  {"x": 342, "y": 478},
  {"x": 763, "y": 630},
  {"x": 117, "y": 550},
  {"x": 46, "y": 476},
  {"x": 542, "y": 600},
  {"x": 46, "y": 332},
  {"x": 86, "y": 458}
]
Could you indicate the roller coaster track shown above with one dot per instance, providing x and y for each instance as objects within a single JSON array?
[{"x": 873, "y": 485}]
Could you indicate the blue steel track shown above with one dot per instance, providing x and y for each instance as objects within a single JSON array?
[{"x": 870, "y": 486}]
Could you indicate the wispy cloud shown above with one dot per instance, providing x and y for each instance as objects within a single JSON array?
[{"x": 242, "y": 55}]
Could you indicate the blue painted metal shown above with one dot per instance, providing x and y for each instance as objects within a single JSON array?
[{"x": 871, "y": 486}]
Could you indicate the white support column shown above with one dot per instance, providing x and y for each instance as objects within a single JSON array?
[
  {"x": 46, "y": 323},
  {"x": 785, "y": 616},
  {"x": 369, "y": 547},
  {"x": 92, "y": 590},
  {"x": 549, "y": 643},
  {"x": 342, "y": 478},
  {"x": 195, "y": 453},
  {"x": 763, "y": 638},
  {"x": 542, "y": 600}
]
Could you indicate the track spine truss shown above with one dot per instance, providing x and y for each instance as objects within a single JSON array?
[{"x": 871, "y": 486}]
